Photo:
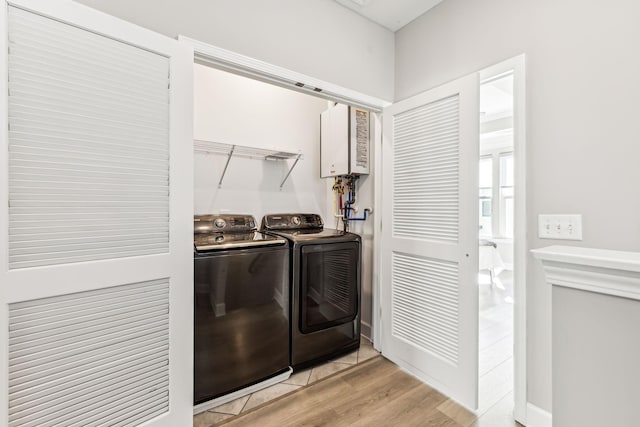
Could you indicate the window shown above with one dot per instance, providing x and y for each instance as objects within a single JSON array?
[
  {"x": 506, "y": 195},
  {"x": 495, "y": 202},
  {"x": 486, "y": 196}
]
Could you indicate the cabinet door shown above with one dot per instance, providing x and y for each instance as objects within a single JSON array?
[{"x": 96, "y": 242}]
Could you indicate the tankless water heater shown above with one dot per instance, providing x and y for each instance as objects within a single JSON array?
[{"x": 344, "y": 141}]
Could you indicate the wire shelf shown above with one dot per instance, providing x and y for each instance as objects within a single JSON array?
[
  {"x": 212, "y": 147},
  {"x": 231, "y": 150}
]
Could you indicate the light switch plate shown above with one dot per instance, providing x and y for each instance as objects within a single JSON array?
[{"x": 560, "y": 227}]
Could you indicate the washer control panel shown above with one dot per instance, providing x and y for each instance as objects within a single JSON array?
[
  {"x": 291, "y": 221},
  {"x": 223, "y": 224}
]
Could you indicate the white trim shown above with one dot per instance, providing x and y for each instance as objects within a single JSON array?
[
  {"x": 606, "y": 272},
  {"x": 376, "y": 308},
  {"x": 537, "y": 417},
  {"x": 365, "y": 330},
  {"x": 517, "y": 64},
  {"x": 4, "y": 217},
  {"x": 202, "y": 407},
  {"x": 590, "y": 257},
  {"x": 181, "y": 231},
  {"x": 264, "y": 71}
]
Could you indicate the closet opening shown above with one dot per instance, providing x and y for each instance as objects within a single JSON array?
[{"x": 257, "y": 152}]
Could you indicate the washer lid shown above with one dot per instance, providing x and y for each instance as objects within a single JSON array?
[{"x": 222, "y": 241}]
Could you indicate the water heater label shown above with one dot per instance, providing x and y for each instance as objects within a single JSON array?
[{"x": 362, "y": 138}]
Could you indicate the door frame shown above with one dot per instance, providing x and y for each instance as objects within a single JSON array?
[{"x": 517, "y": 65}]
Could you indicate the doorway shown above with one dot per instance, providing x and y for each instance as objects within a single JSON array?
[
  {"x": 501, "y": 239},
  {"x": 495, "y": 225}
]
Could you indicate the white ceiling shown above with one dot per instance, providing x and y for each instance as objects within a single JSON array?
[
  {"x": 496, "y": 115},
  {"x": 392, "y": 14}
]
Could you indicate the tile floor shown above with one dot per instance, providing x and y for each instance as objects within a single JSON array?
[
  {"x": 496, "y": 342},
  {"x": 294, "y": 382}
]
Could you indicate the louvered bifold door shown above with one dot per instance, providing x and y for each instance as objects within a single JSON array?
[
  {"x": 429, "y": 243},
  {"x": 88, "y": 145},
  {"x": 95, "y": 256}
]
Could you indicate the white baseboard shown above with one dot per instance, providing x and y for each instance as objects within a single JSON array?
[
  {"x": 365, "y": 329},
  {"x": 537, "y": 417}
]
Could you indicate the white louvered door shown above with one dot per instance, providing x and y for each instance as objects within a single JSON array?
[
  {"x": 429, "y": 237},
  {"x": 96, "y": 240}
]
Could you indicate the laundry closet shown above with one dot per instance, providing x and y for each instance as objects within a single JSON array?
[{"x": 258, "y": 154}]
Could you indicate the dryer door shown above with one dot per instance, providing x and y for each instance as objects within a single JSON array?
[{"x": 329, "y": 285}]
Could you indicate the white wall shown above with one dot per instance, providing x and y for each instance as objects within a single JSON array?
[
  {"x": 583, "y": 130},
  {"x": 238, "y": 110},
  {"x": 319, "y": 38},
  {"x": 365, "y": 199},
  {"x": 595, "y": 358}
]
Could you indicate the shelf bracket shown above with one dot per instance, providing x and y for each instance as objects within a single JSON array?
[
  {"x": 290, "y": 170},
  {"x": 224, "y": 171}
]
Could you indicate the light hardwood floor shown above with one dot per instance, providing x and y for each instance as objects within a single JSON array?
[
  {"x": 374, "y": 393},
  {"x": 294, "y": 382}
]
